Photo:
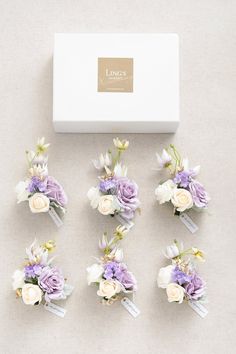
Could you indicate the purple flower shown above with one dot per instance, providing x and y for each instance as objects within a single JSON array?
[
  {"x": 128, "y": 281},
  {"x": 52, "y": 283},
  {"x": 119, "y": 271},
  {"x": 108, "y": 185},
  {"x": 37, "y": 185},
  {"x": 55, "y": 192},
  {"x": 195, "y": 289},
  {"x": 33, "y": 270},
  {"x": 180, "y": 277},
  {"x": 183, "y": 178},
  {"x": 111, "y": 268},
  {"x": 127, "y": 192},
  {"x": 199, "y": 194}
]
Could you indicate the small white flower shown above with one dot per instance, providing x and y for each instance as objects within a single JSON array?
[
  {"x": 41, "y": 146},
  {"x": 18, "y": 279},
  {"x": 31, "y": 294},
  {"x": 165, "y": 191},
  {"x": 175, "y": 293},
  {"x": 103, "y": 161},
  {"x": 121, "y": 231},
  {"x": 94, "y": 197},
  {"x": 118, "y": 254},
  {"x": 21, "y": 191},
  {"x": 164, "y": 276},
  {"x": 102, "y": 244},
  {"x": 173, "y": 250},
  {"x": 37, "y": 254},
  {"x": 185, "y": 166},
  {"x": 94, "y": 273},
  {"x": 164, "y": 160},
  {"x": 120, "y": 170},
  {"x": 121, "y": 145}
]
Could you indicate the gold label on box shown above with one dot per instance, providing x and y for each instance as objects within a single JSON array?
[{"x": 115, "y": 74}]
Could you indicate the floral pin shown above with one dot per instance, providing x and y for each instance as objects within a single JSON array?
[
  {"x": 110, "y": 273},
  {"x": 116, "y": 194},
  {"x": 181, "y": 280},
  {"x": 41, "y": 191},
  {"x": 38, "y": 281},
  {"x": 182, "y": 189}
]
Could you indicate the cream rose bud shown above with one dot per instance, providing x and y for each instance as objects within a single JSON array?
[
  {"x": 94, "y": 273},
  {"x": 108, "y": 288},
  {"x": 18, "y": 279},
  {"x": 39, "y": 203},
  {"x": 164, "y": 276},
  {"x": 165, "y": 191},
  {"x": 182, "y": 199},
  {"x": 175, "y": 293},
  {"x": 172, "y": 251},
  {"x": 107, "y": 204},
  {"x": 31, "y": 294}
]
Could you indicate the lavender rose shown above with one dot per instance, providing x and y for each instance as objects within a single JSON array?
[
  {"x": 199, "y": 194},
  {"x": 127, "y": 192},
  {"x": 55, "y": 192},
  {"x": 195, "y": 289},
  {"x": 128, "y": 281},
  {"x": 51, "y": 281}
]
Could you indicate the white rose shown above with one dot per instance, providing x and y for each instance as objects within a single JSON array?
[
  {"x": 39, "y": 203},
  {"x": 94, "y": 196},
  {"x": 21, "y": 191},
  {"x": 108, "y": 288},
  {"x": 164, "y": 276},
  {"x": 31, "y": 294},
  {"x": 18, "y": 279},
  {"x": 175, "y": 292},
  {"x": 182, "y": 199},
  {"x": 94, "y": 273},
  {"x": 107, "y": 204},
  {"x": 165, "y": 191}
]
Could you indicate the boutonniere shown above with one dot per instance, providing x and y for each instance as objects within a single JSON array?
[
  {"x": 181, "y": 279},
  {"x": 115, "y": 194},
  {"x": 110, "y": 274},
  {"x": 182, "y": 189},
  {"x": 38, "y": 281},
  {"x": 42, "y": 191}
]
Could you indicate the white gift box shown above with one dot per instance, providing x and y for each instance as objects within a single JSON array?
[{"x": 116, "y": 83}]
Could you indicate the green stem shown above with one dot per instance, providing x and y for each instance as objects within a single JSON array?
[
  {"x": 117, "y": 158},
  {"x": 175, "y": 154}
]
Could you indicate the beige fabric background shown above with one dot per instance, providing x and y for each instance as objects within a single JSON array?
[{"x": 206, "y": 135}]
